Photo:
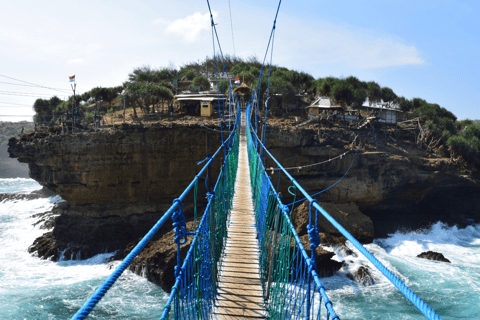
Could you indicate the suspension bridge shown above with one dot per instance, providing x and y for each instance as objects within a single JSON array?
[{"x": 246, "y": 260}]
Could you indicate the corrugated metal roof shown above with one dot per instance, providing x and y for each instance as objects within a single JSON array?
[{"x": 209, "y": 99}]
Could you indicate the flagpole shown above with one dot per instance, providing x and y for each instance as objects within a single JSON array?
[{"x": 74, "y": 107}]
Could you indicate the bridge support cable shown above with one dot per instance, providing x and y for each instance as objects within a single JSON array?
[
  {"x": 174, "y": 210},
  {"x": 291, "y": 284},
  {"x": 428, "y": 312}
]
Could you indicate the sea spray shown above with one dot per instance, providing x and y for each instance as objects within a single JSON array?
[
  {"x": 451, "y": 289},
  {"x": 32, "y": 288}
]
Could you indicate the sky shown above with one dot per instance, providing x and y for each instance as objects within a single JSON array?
[{"x": 423, "y": 48}]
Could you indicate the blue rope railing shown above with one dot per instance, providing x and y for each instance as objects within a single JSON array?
[
  {"x": 292, "y": 287},
  {"x": 194, "y": 290},
  {"x": 88, "y": 306},
  {"x": 409, "y": 294}
]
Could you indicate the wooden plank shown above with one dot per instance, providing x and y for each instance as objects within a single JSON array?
[
  {"x": 237, "y": 260},
  {"x": 242, "y": 252},
  {"x": 241, "y": 298},
  {"x": 240, "y": 280},
  {"x": 241, "y": 256},
  {"x": 246, "y": 248},
  {"x": 240, "y": 304},
  {"x": 229, "y": 317},
  {"x": 237, "y": 292},
  {"x": 242, "y": 244},
  {"x": 244, "y": 236},
  {"x": 240, "y": 312},
  {"x": 228, "y": 268},
  {"x": 239, "y": 274},
  {"x": 241, "y": 286},
  {"x": 244, "y": 265}
]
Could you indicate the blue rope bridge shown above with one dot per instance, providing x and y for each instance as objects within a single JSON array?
[{"x": 290, "y": 283}]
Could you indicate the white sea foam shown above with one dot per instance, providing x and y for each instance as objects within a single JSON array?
[
  {"x": 32, "y": 288},
  {"x": 11, "y": 185},
  {"x": 452, "y": 289}
]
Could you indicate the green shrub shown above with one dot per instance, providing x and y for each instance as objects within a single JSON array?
[{"x": 89, "y": 117}]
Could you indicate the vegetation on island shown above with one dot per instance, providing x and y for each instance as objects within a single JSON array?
[{"x": 147, "y": 88}]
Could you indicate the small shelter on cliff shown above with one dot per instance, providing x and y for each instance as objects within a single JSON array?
[
  {"x": 203, "y": 103},
  {"x": 383, "y": 113},
  {"x": 323, "y": 105},
  {"x": 243, "y": 92}
]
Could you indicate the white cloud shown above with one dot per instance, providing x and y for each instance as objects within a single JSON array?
[
  {"x": 191, "y": 28},
  {"x": 370, "y": 52},
  {"x": 75, "y": 61},
  {"x": 361, "y": 49},
  {"x": 160, "y": 21}
]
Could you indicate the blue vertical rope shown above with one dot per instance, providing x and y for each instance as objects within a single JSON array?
[{"x": 272, "y": 39}]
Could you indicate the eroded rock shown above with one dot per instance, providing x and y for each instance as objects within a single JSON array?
[{"x": 347, "y": 214}]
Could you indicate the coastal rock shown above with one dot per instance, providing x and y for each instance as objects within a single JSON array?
[
  {"x": 347, "y": 214},
  {"x": 362, "y": 276},
  {"x": 37, "y": 194},
  {"x": 80, "y": 237},
  {"x": 431, "y": 255},
  {"x": 158, "y": 259},
  {"x": 326, "y": 266}
]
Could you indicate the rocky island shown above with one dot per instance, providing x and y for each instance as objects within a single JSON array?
[{"x": 118, "y": 181}]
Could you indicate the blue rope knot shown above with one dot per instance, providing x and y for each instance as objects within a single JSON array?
[
  {"x": 206, "y": 159},
  {"x": 179, "y": 224},
  {"x": 312, "y": 229},
  {"x": 210, "y": 196},
  {"x": 284, "y": 208},
  {"x": 167, "y": 307}
]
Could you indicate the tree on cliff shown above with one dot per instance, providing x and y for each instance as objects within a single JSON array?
[
  {"x": 145, "y": 94},
  {"x": 374, "y": 92},
  {"x": 45, "y": 108},
  {"x": 201, "y": 82},
  {"x": 324, "y": 85}
]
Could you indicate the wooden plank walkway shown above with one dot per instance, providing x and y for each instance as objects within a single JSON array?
[{"x": 240, "y": 294}]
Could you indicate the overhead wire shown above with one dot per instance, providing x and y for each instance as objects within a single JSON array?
[
  {"x": 310, "y": 165},
  {"x": 27, "y": 94},
  {"x": 40, "y": 86},
  {"x": 26, "y": 85},
  {"x": 231, "y": 24}
]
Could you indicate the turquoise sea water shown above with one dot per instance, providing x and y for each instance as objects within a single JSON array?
[{"x": 31, "y": 288}]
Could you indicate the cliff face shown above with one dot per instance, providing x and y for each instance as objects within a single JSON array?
[
  {"x": 130, "y": 169},
  {"x": 119, "y": 181}
]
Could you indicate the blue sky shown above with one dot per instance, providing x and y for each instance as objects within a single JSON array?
[{"x": 423, "y": 48}]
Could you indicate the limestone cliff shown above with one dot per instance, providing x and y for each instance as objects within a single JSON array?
[{"x": 118, "y": 181}]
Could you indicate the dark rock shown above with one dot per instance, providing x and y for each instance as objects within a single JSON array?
[
  {"x": 323, "y": 259},
  {"x": 42, "y": 193},
  {"x": 80, "y": 237},
  {"x": 431, "y": 255},
  {"x": 362, "y": 276},
  {"x": 158, "y": 259},
  {"x": 348, "y": 215}
]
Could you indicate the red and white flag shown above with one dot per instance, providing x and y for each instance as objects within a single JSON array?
[
  {"x": 72, "y": 78},
  {"x": 237, "y": 81}
]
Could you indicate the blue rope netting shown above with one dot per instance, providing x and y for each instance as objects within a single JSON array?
[
  {"x": 409, "y": 294},
  {"x": 83, "y": 312}
]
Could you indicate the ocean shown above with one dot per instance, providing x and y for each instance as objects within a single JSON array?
[{"x": 31, "y": 288}]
